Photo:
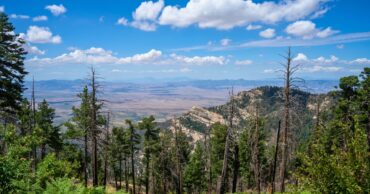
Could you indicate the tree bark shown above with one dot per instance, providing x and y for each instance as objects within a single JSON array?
[
  {"x": 222, "y": 185},
  {"x": 275, "y": 159},
  {"x": 284, "y": 157}
]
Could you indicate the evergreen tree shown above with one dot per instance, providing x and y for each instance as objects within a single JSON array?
[
  {"x": 79, "y": 126},
  {"x": 151, "y": 137},
  {"x": 46, "y": 130},
  {"x": 133, "y": 142},
  {"x": 194, "y": 174},
  {"x": 12, "y": 55}
]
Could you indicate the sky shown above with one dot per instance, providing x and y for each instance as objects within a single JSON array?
[{"x": 192, "y": 39}]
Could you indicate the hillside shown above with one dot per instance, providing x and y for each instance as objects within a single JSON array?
[{"x": 270, "y": 100}]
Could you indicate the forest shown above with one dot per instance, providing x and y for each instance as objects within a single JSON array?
[{"x": 321, "y": 148}]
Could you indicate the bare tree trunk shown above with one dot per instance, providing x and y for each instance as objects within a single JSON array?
[
  {"x": 106, "y": 152},
  {"x": 133, "y": 165},
  {"x": 126, "y": 175},
  {"x": 284, "y": 157},
  {"x": 85, "y": 159},
  {"x": 236, "y": 168},
  {"x": 178, "y": 162},
  {"x": 207, "y": 141},
  {"x": 94, "y": 127},
  {"x": 275, "y": 159},
  {"x": 222, "y": 185},
  {"x": 255, "y": 157}
]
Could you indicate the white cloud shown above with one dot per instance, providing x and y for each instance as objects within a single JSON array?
[
  {"x": 320, "y": 13},
  {"x": 307, "y": 30},
  {"x": 148, "y": 10},
  {"x": 2, "y": 9},
  {"x": 40, "y": 18},
  {"x": 122, "y": 21},
  {"x": 15, "y": 16},
  {"x": 33, "y": 49},
  {"x": 145, "y": 16},
  {"x": 326, "y": 33},
  {"x": 56, "y": 9},
  {"x": 225, "y": 42},
  {"x": 361, "y": 61},
  {"x": 227, "y": 14},
  {"x": 144, "y": 25},
  {"x": 37, "y": 34},
  {"x": 300, "y": 57},
  {"x": 253, "y": 27},
  {"x": 101, "y": 56},
  {"x": 318, "y": 68},
  {"x": 150, "y": 56},
  {"x": 197, "y": 60},
  {"x": 268, "y": 33},
  {"x": 96, "y": 55},
  {"x": 243, "y": 62}
]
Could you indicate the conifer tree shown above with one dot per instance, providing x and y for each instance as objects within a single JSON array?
[
  {"x": 12, "y": 72},
  {"x": 133, "y": 142},
  {"x": 151, "y": 137},
  {"x": 194, "y": 178}
]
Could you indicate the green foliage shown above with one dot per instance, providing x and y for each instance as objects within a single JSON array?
[
  {"x": 51, "y": 168},
  {"x": 218, "y": 139},
  {"x": 194, "y": 178},
  {"x": 337, "y": 159},
  {"x": 12, "y": 55}
]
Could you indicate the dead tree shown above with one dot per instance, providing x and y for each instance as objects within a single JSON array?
[
  {"x": 256, "y": 154},
  {"x": 289, "y": 79},
  {"x": 94, "y": 125},
  {"x": 222, "y": 183},
  {"x": 207, "y": 142},
  {"x": 106, "y": 144},
  {"x": 178, "y": 161},
  {"x": 275, "y": 159}
]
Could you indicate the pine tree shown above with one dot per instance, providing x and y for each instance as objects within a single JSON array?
[
  {"x": 49, "y": 133},
  {"x": 79, "y": 126},
  {"x": 12, "y": 55},
  {"x": 194, "y": 178},
  {"x": 133, "y": 142},
  {"x": 151, "y": 137}
]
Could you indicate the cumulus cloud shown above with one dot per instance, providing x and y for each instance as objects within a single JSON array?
[
  {"x": 96, "y": 55},
  {"x": 40, "y": 18},
  {"x": 144, "y": 25},
  {"x": 307, "y": 30},
  {"x": 37, "y": 34},
  {"x": 15, "y": 16},
  {"x": 243, "y": 62},
  {"x": 268, "y": 33},
  {"x": 227, "y": 14},
  {"x": 145, "y": 16},
  {"x": 225, "y": 42},
  {"x": 253, "y": 27},
  {"x": 56, "y": 10},
  {"x": 33, "y": 50},
  {"x": 198, "y": 60},
  {"x": 2, "y": 9},
  {"x": 300, "y": 57},
  {"x": 122, "y": 21},
  {"x": 361, "y": 61},
  {"x": 148, "y": 10}
]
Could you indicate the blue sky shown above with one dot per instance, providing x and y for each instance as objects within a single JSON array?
[{"x": 197, "y": 39}]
